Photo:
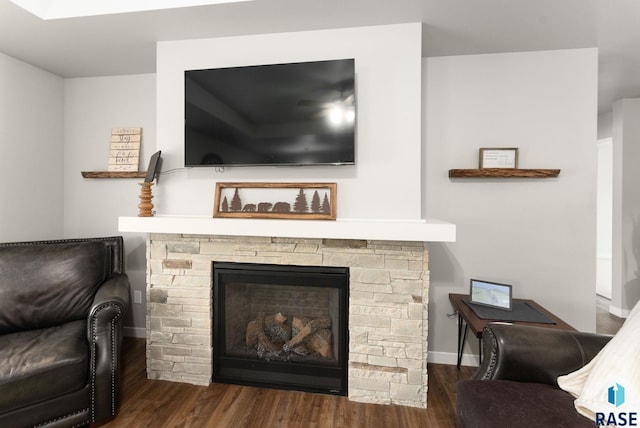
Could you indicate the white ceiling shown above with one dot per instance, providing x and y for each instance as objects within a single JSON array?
[
  {"x": 125, "y": 43},
  {"x": 57, "y": 9}
]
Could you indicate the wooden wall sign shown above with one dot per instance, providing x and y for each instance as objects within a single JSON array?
[
  {"x": 300, "y": 201},
  {"x": 124, "y": 153}
]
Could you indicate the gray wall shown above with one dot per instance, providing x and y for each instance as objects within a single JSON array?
[
  {"x": 536, "y": 234},
  {"x": 92, "y": 107},
  {"x": 626, "y": 207},
  {"x": 31, "y": 164}
]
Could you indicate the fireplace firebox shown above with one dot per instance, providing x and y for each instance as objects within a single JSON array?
[{"x": 281, "y": 326}]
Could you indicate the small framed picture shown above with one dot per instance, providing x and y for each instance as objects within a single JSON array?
[{"x": 499, "y": 157}]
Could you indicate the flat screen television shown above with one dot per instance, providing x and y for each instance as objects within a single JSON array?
[{"x": 278, "y": 114}]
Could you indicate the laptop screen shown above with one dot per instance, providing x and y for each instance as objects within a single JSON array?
[{"x": 490, "y": 294}]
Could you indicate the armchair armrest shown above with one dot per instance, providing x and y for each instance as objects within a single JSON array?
[
  {"x": 535, "y": 354},
  {"x": 105, "y": 338}
]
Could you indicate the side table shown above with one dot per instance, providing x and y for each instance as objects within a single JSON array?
[{"x": 467, "y": 319}]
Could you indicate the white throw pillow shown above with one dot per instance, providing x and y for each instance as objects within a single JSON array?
[{"x": 611, "y": 381}]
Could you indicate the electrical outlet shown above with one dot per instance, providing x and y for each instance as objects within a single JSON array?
[{"x": 137, "y": 296}]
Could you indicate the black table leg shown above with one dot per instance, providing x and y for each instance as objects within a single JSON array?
[{"x": 462, "y": 337}]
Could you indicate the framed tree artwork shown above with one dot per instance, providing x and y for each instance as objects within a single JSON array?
[{"x": 299, "y": 201}]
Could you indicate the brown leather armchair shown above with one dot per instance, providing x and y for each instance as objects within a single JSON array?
[
  {"x": 61, "y": 309},
  {"x": 516, "y": 384}
]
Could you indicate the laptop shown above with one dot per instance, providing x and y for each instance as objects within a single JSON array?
[{"x": 490, "y": 294}]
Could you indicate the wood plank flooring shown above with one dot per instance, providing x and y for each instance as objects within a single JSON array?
[{"x": 154, "y": 403}]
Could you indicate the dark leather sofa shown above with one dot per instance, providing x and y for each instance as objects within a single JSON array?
[
  {"x": 61, "y": 309},
  {"x": 516, "y": 385}
]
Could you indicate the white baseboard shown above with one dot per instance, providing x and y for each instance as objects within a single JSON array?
[
  {"x": 138, "y": 332},
  {"x": 452, "y": 359},
  {"x": 619, "y": 312}
]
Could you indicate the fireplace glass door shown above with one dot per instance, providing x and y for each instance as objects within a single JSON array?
[{"x": 281, "y": 326}]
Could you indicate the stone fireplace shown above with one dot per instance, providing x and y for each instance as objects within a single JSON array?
[{"x": 387, "y": 308}]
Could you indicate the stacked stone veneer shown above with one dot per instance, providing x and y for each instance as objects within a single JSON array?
[{"x": 388, "y": 296}]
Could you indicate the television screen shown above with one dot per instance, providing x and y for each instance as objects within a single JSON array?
[{"x": 281, "y": 114}]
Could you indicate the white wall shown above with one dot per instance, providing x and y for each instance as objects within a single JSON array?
[
  {"x": 604, "y": 217},
  {"x": 92, "y": 206},
  {"x": 31, "y": 164},
  {"x": 537, "y": 234},
  {"x": 626, "y": 207},
  {"x": 384, "y": 183},
  {"x": 604, "y": 198},
  {"x": 605, "y": 124}
]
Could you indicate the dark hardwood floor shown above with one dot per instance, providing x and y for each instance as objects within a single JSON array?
[{"x": 154, "y": 403}]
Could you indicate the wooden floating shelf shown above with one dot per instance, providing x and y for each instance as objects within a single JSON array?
[
  {"x": 503, "y": 173},
  {"x": 114, "y": 174}
]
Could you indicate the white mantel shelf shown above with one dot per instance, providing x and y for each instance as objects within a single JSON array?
[{"x": 385, "y": 230}]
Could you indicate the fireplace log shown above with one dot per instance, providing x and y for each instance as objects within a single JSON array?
[
  {"x": 264, "y": 346},
  {"x": 298, "y": 323},
  {"x": 271, "y": 335},
  {"x": 276, "y": 329},
  {"x": 251, "y": 334},
  {"x": 302, "y": 350},
  {"x": 321, "y": 342},
  {"x": 307, "y": 330}
]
